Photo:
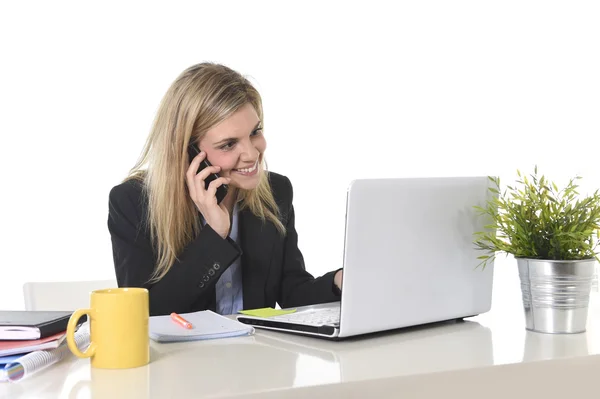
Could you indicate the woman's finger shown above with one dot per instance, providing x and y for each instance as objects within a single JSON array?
[
  {"x": 195, "y": 164},
  {"x": 212, "y": 187},
  {"x": 202, "y": 175},
  {"x": 191, "y": 173}
]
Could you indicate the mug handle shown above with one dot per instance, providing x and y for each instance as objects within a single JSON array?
[{"x": 89, "y": 352}]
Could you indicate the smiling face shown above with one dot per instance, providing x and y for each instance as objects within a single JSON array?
[{"x": 237, "y": 146}]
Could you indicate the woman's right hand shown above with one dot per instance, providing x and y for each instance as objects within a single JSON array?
[{"x": 215, "y": 215}]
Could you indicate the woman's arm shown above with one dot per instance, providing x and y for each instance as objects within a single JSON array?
[
  {"x": 190, "y": 280},
  {"x": 299, "y": 287}
]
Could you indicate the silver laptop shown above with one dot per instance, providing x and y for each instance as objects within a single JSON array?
[{"x": 409, "y": 259}]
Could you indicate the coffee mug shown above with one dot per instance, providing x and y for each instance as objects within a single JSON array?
[{"x": 119, "y": 336}]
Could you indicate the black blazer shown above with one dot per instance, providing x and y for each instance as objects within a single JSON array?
[{"x": 272, "y": 265}]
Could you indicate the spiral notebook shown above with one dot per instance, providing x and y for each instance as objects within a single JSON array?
[
  {"x": 21, "y": 367},
  {"x": 206, "y": 325}
]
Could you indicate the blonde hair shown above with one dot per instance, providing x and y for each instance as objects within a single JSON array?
[{"x": 201, "y": 97}]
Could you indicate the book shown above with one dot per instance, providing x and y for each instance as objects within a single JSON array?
[
  {"x": 20, "y": 346},
  {"x": 206, "y": 324},
  {"x": 30, "y": 324}
]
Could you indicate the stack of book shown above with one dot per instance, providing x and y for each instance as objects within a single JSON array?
[{"x": 25, "y": 332}]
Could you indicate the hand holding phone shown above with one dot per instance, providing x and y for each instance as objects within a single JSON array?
[
  {"x": 221, "y": 189},
  {"x": 207, "y": 191}
]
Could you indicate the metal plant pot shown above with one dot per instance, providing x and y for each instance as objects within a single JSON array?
[{"x": 556, "y": 294}]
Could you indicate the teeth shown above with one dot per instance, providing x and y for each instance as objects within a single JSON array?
[{"x": 248, "y": 170}]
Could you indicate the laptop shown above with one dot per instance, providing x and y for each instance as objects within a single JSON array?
[{"x": 409, "y": 259}]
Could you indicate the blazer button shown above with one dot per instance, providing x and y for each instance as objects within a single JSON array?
[
  {"x": 201, "y": 285},
  {"x": 216, "y": 266},
  {"x": 205, "y": 278},
  {"x": 211, "y": 272}
]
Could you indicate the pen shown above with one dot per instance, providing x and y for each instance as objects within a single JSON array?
[{"x": 180, "y": 320}]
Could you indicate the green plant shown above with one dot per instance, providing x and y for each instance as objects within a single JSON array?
[{"x": 537, "y": 220}]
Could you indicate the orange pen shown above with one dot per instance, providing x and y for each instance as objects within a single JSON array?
[{"x": 180, "y": 320}]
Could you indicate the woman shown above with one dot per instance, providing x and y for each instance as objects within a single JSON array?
[{"x": 170, "y": 234}]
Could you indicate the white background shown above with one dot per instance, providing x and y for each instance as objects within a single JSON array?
[{"x": 350, "y": 89}]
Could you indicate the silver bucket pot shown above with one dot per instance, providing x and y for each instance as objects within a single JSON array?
[{"x": 556, "y": 294}]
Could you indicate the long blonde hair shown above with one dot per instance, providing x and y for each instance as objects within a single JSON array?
[{"x": 201, "y": 97}]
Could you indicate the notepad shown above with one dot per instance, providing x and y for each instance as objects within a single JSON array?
[
  {"x": 267, "y": 312},
  {"x": 206, "y": 325}
]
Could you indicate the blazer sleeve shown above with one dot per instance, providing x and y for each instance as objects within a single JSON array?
[
  {"x": 191, "y": 278},
  {"x": 299, "y": 287}
]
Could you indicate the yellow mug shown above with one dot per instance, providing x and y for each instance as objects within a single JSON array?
[{"x": 118, "y": 319}]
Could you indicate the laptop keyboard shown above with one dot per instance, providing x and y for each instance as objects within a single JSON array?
[{"x": 317, "y": 317}]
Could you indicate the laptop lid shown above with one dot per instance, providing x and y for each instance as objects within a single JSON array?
[{"x": 409, "y": 256}]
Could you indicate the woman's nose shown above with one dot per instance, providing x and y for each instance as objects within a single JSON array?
[{"x": 249, "y": 152}]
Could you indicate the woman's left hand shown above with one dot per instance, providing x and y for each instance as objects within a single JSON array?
[{"x": 337, "y": 279}]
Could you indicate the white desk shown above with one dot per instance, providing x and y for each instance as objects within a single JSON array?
[{"x": 302, "y": 366}]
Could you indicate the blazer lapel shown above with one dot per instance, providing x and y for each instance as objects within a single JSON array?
[{"x": 257, "y": 240}]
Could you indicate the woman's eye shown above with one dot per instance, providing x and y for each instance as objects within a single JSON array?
[
  {"x": 256, "y": 132},
  {"x": 228, "y": 145}
]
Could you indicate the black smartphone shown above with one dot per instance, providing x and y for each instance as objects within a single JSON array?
[{"x": 222, "y": 189}]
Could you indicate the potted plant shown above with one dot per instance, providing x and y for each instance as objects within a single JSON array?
[{"x": 553, "y": 235}]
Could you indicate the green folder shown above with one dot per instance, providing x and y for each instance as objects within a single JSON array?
[{"x": 267, "y": 312}]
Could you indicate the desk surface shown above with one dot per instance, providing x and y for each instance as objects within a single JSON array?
[{"x": 272, "y": 361}]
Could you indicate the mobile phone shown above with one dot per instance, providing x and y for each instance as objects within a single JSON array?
[{"x": 222, "y": 189}]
